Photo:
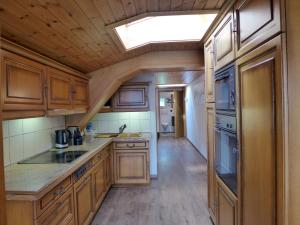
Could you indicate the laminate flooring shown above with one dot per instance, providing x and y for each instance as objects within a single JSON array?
[{"x": 177, "y": 197}]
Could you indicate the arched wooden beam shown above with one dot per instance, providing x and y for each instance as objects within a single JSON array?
[{"x": 106, "y": 81}]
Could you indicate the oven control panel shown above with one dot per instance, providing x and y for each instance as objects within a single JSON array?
[
  {"x": 226, "y": 122},
  {"x": 81, "y": 171}
]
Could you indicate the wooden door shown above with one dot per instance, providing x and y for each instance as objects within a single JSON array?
[
  {"x": 61, "y": 212},
  {"x": 99, "y": 184},
  {"x": 227, "y": 205},
  {"x": 257, "y": 21},
  {"x": 261, "y": 134},
  {"x": 224, "y": 43},
  {"x": 211, "y": 173},
  {"x": 23, "y": 83},
  {"x": 131, "y": 167},
  {"x": 179, "y": 108},
  {"x": 133, "y": 97},
  {"x": 83, "y": 191},
  {"x": 209, "y": 71},
  {"x": 59, "y": 85},
  {"x": 80, "y": 93}
]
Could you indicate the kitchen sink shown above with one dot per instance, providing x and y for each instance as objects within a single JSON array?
[
  {"x": 106, "y": 135},
  {"x": 129, "y": 135}
]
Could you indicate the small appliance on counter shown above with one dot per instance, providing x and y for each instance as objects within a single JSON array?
[
  {"x": 61, "y": 140},
  {"x": 75, "y": 137}
]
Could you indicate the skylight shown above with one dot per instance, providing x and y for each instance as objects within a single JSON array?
[{"x": 158, "y": 29}]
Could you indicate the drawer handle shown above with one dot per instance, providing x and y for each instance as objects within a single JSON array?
[{"x": 130, "y": 146}]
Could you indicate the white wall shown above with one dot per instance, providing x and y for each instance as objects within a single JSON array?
[
  {"x": 136, "y": 121},
  {"x": 24, "y": 138},
  {"x": 195, "y": 115}
]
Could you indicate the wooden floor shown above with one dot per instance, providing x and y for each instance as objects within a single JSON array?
[{"x": 178, "y": 197}]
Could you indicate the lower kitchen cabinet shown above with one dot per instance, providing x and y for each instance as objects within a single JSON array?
[
  {"x": 227, "y": 207},
  {"x": 83, "y": 191},
  {"x": 131, "y": 163},
  {"x": 108, "y": 171},
  {"x": 61, "y": 213},
  {"x": 99, "y": 183}
]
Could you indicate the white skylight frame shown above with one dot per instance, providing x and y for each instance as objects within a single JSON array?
[{"x": 145, "y": 31}]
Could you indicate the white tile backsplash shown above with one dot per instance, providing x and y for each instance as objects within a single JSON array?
[
  {"x": 110, "y": 122},
  {"x": 24, "y": 138}
]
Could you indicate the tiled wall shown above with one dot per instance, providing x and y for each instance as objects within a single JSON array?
[
  {"x": 23, "y": 138},
  {"x": 110, "y": 122}
]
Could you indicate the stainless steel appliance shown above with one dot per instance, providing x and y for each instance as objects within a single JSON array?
[
  {"x": 51, "y": 156},
  {"x": 226, "y": 159},
  {"x": 226, "y": 152},
  {"x": 225, "y": 89},
  {"x": 61, "y": 140}
]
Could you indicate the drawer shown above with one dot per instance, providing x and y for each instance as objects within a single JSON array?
[
  {"x": 61, "y": 212},
  {"x": 101, "y": 155},
  {"x": 131, "y": 145},
  {"x": 53, "y": 195}
]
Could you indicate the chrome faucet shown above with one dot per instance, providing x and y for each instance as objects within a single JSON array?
[{"x": 122, "y": 128}]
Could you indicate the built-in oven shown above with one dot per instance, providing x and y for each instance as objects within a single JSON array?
[
  {"x": 225, "y": 88},
  {"x": 226, "y": 152}
]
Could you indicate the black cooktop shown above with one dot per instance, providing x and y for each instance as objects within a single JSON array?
[{"x": 50, "y": 157}]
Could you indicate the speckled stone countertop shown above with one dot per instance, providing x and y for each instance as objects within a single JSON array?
[
  {"x": 31, "y": 179},
  {"x": 22, "y": 180}
]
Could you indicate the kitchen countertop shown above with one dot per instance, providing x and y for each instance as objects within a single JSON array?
[{"x": 31, "y": 181}]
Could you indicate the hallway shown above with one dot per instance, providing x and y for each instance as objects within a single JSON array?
[{"x": 178, "y": 197}]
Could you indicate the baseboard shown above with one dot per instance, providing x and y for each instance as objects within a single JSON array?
[{"x": 202, "y": 156}]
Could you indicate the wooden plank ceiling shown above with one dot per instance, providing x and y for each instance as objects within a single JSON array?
[{"x": 72, "y": 31}]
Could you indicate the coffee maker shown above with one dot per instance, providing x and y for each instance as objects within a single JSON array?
[{"x": 75, "y": 137}]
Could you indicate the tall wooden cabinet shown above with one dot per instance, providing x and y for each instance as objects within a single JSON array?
[
  {"x": 211, "y": 173},
  {"x": 261, "y": 87}
]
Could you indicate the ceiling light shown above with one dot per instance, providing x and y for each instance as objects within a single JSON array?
[
  {"x": 158, "y": 29},
  {"x": 171, "y": 85}
]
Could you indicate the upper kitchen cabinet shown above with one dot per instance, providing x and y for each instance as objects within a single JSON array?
[
  {"x": 257, "y": 21},
  {"x": 66, "y": 92},
  {"x": 59, "y": 88},
  {"x": 209, "y": 71},
  {"x": 22, "y": 86},
  {"x": 131, "y": 97},
  {"x": 80, "y": 93},
  {"x": 224, "y": 42}
]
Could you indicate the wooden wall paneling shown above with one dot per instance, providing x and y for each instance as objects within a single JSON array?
[{"x": 262, "y": 134}]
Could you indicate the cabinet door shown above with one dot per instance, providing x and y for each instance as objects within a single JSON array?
[
  {"x": 224, "y": 44},
  {"x": 59, "y": 90},
  {"x": 80, "y": 93},
  {"x": 99, "y": 184},
  {"x": 209, "y": 71},
  {"x": 227, "y": 206},
  {"x": 108, "y": 180},
  {"x": 23, "y": 83},
  {"x": 84, "y": 200},
  {"x": 257, "y": 21},
  {"x": 131, "y": 98},
  {"x": 261, "y": 90},
  {"x": 210, "y": 118},
  {"x": 61, "y": 212},
  {"x": 131, "y": 167}
]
